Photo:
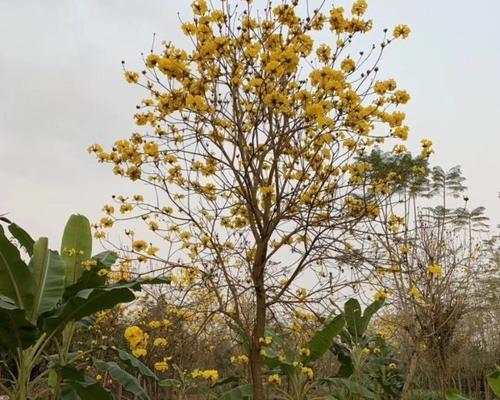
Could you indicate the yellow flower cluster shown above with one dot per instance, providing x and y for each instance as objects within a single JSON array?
[
  {"x": 415, "y": 293},
  {"x": 160, "y": 342},
  {"x": 241, "y": 359},
  {"x": 308, "y": 372},
  {"x": 266, "y": 340},
  {"x": 358, "y": 208},
  {"x": 435, "y": 270},
  {"x": 208, "y": 374},
  {"x": 89, "y": 264},
  {"x": 137, "y": 340},
  {"x": 426, "y": 148},
  {"x": 401, "y": 31},
  {"x": 305, "y": 352},
  {"x": 131, "y": 77},
  {"x": 161, "y": 366},
  {"x": 380, "y": 295}
]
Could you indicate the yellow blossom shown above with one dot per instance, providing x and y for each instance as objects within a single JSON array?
[
  {"x": 208, "y": 374},
  {"x": 308, "y": 372},
  {"x": 135, "y": 336},
  {"x": 275, "y": 378},
  {"x": 348, "y": 65},
  {"x": 241, "y": 359},
  {"x": 131, "y": 77},
  {"x": 124, "y": 208},
  {"x": 155, "y": 324},
  {"x": 266, "y": 341},
  {"x": 108, "y": 209},
  {"x": 89, "y": 264},
  {"x": 139, "y": 245},
  {"x": 435, "y": 270},
  {"x": 152, "y": 250},
  {"x": 196, "y": 103},
  {"x": 153, "y": 225},
  {"x": 160, "y": 342},
  {"x": 305, "y": 352},
  {"x": 401, "y": 31},
  {"x": 151, "y": 149},
  {"x": 139, "y": 352},
  {"x": 161, "y": 366},
  {"x": 415, "y": 293},
  {"x": 106, "y": 222},
  {"x": 380, "y": 295},
  {"x": 359, "y": 7}
]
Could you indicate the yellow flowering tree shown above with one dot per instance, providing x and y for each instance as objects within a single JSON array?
[{"x": 251, "y": 140}]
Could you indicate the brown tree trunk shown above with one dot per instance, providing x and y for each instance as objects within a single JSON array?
[
  {"x": 260, "y": 321},
  {"x": 487, "y": 391},
  {"x": 444, "y": 381},
  {"x": 410, "y": 375},
  {"x": 255, "y": 356}
]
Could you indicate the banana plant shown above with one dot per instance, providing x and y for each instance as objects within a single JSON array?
[
  {"x": 41, "y": 302},
  {"x": 351, "y": 326},
  {"x": 493, "y": 382}
]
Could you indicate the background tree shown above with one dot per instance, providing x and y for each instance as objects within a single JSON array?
[{"x": 426, "y": 259}]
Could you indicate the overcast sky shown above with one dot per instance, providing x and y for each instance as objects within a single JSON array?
[{"x": 62, "y": 89}]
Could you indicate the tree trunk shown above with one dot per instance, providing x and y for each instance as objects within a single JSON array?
[
  {"x": 444, "y": 381},
  {"x": 260, "y": 320},
  {"x": 487, "y": 391},
  {"x": 258, "y": 332},
  {"x": 410, "y": 375}
]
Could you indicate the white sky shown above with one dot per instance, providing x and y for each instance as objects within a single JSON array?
[{"x": 62, "y": 89}]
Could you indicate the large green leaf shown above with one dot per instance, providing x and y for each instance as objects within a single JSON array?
[
  {"x": 170, "y": 383},
  {"x": 238, "y": 393},
  {"x": 22, "y": 237},
  {"x": 89, "y": 301},
  {"x": 242, "y": 336},
  {"x": 85, "y": 391},
  {"x": 15, "y": 276},
  {"x": 133, "y": 362},
  {"x": 343, "y": 355},
  {"x": 353, "y": 318},
  {"x": 351, "y": 387},
  {"x": 87, "y": 322},
  {"x": 369, "y": 312},
  {"x": 322, "y": 339},
  {"x": 15, "y": 330},
  {"x": 77, "y": 386},
  {"x": 273, "y": 360},
  {"x": 48, "y": 279},
  {"x": 494, "y": 381},
  {"x": 127, "y": 381},
  {"x": 91, "y": 278},
  {"x": 452, "y": 394},
  {"x": 76, "y": 247},
  {"x": 106, "y": 258},
  {"x": 229, "y": 380}
]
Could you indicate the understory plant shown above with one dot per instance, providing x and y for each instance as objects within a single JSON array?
[
  {"x": 44, "y": 295},
  {"x": 364, "y": 363}
]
